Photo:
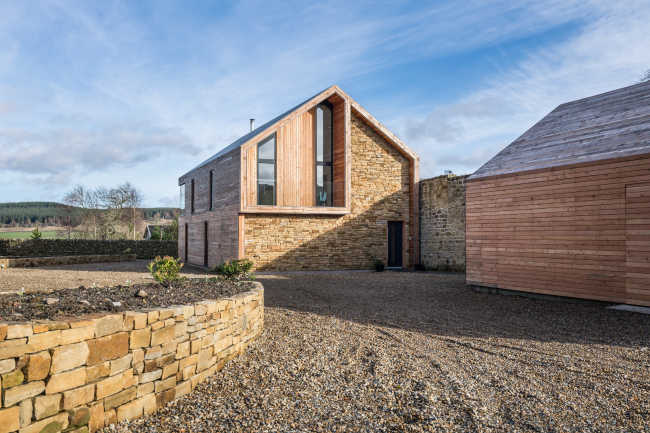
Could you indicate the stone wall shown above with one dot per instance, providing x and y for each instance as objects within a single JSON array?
[
  {"x": 78, "y": 247},
  {"x": 85, "y": 373},
  {"x": 442, "y": 223},
  {"x": 31, "y": 262},
  {"x": 380, "y": 193}
]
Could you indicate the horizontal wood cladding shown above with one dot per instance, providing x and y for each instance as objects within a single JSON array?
[{"x": 579, "y": 232}]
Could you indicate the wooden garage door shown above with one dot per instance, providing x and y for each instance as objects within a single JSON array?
[{"x": 637, "y": 228}]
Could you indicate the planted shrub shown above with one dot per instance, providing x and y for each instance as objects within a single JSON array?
[
  {"x": 235, "y": 269},
  {"x": 36, "y": 233},
  {"x": 166, "y": 269}
]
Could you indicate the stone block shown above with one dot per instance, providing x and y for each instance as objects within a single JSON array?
[
  {"x": 98, "y": 371},
  {"x": 3, "y": 330},
  {"x": 157, "y": 325},
  {"x": 181, "y": 329},
  {"x": 43, "y": 341},
  {"x": 77, "y": 335},
  {"x": 153, "y": 352},
  {"x": 169, "y": 370},
  {"x": 37, "y": 328},
  {"x": 38, "y": 367},
  {"x": 200, "y": 310},
  {"x": 110, "y": 417},
  {"x": 183, "y": 350},
  {"x": 145, "y": 389},
  {"x": 170, "y": 322},
  {"x": 162, "y": 398},
  {"x": 108, "y": 348},
  {"x": 154, "y": 364},
  {"x": 189, "y": 372},
  {"x": 128, "y": 323},
  {"x": 19, "y": 393},
  {"x": 114, "y": 384},
  {"x": 190, "y": 360},
  {"x": 53, "y": 424},
  {"x": 14, "y": 378},
  {"x": 78, "y": 396},
  {"x": 152, "y": 316},
  {"x": 22, "y": 362},
  {"x": 65, "y": 381},
  {"x": 164, "y": 385},
  {"x": 82, "y": 429},
  {"x": 195, "y": 346},
  {"x": 46, "y": 406},
  {"x": 13, "y": 348},
  {"x": 169, "y": 347},
  {"x": 139, "y": 319},
  {"x": 138, "y": 368},
  {"x": 162, "y": 336},
  {"x": 58, "y": 325},
  {"x": 79, "y": 416},
  {"x": 165, "y": 313},
  {"x": 70, "y": 356},
  {"x": 131, "y": 410},
  {"x": 138, "y": 355},
  {"x": 7, "y": 365},
  {"x": 120, "y": 398},
  {"x": 121, "y": 364},
  {"x": 107, "y": 325},
  {"x": 204, "y": 359},
  {"x": 19, "y": 330},
  {"x": 26, "y": 413},
  {"x": 150, "y": 376},
  {"x": 96, "y": 416},
  {"x": 9, "y": 419},
  {"x": 183, "y": 388},
  {"x": 140, "y": 338}
]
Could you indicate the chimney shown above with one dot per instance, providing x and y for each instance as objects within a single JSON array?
[{"x": 252, "y": 124}]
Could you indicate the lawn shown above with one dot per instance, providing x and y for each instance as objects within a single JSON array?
[{"x": 27, "y": 235}]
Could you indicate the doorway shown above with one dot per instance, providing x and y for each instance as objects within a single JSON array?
[{"x": 395, "y": 243}]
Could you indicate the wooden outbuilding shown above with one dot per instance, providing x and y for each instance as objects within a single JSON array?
[{"x": 565, "y": 209}]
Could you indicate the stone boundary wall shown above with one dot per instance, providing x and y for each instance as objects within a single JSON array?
[
  {"x": 442, "y": 223},
  {"x": 79, "y": 247},
  {"x": 80, "y": 374},
  {"x": 28, "y": 262}
]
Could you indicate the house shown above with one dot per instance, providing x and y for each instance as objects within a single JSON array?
[
  {"x": 323, "y": 186},
  {"x": 149, "y": 230},
  {"x": 565, "y": 209}
]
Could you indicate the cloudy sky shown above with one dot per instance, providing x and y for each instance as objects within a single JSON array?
[{"x": 103, "y": 92}]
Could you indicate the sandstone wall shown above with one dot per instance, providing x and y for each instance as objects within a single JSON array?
[
  {"x": 380, "y": 193},
  {"x": 78, "y": 247},
  {"x": 84, "y": 373},
  {"x": 29, "y": 262},
  {"x": 442, "y": 223}
]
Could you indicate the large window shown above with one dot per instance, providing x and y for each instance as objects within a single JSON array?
[
  {"x": 211, "y": 204},
  {"x": 181, "y": 203},
  {"x": 324, "y": 146},
  {"x": 266, "y": 171},
  {"x": 192, "y": 196}
]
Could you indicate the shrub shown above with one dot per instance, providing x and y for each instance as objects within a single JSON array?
[
  {"x": 166, "y": 269},
  {"x": 235, "y": 269},
  {"x": 36, "y": 233},
  {"x": 379, "y": 262}
]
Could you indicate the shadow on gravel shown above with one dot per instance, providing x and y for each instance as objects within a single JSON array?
[{"x": 441, "y": 304}]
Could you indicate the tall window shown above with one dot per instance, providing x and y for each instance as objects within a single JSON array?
[
  {"x": 324, "y": 146},
  {"x": 181, "y": 203},
  {"x": 211, "y": 190},
  {"x": 192, "y": 196},
  {"x": 266, "y": 171}
]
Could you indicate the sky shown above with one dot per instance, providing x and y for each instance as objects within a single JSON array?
[{"x": 99, "y": 93}]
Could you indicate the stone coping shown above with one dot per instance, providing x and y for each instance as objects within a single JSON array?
[
  {"x": 29, "y": 262},
  {"x": 84, "y": 373}
]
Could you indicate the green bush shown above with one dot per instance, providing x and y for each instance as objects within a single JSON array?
[
  {"x": 36, "y": 233},
  {"x": 235, "y": 269},
  {"x": 166, "y": 269}
]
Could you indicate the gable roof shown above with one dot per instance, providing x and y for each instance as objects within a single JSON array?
[
  {"x": 288, "y": 114},
  {"x": 610, "y": 125}
]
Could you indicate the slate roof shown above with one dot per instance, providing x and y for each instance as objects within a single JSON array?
[
  {"x": 257, "y": 131},
  {"x": 610, "y": 125}
]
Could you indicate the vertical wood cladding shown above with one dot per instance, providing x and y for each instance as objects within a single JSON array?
[
  {"x": 379, "y": 193},
  {"x": 562, "y": 231},
  {"x": 338, "y": 174},
  {"x": 223, "y": 221}
]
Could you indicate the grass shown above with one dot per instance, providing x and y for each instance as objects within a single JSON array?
[{"x": 27, "y": 235}]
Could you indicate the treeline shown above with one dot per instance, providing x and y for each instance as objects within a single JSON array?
[{"x": 25, "y": 214}]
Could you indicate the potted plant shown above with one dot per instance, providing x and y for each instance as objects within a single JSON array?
[{"x": 379, "y": 265}]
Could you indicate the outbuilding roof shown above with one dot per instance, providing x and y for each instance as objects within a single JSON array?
[{"x": 610, "y": 125}]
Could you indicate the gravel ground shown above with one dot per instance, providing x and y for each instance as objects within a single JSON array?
[
  {"x": 419, "y": 352},
  {"x": 68, "y": 276}
]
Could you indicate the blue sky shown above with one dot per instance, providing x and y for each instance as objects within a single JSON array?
[{"x": 103, "y": 92}]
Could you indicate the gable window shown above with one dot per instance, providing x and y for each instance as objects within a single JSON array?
[
  {"x": 266, "y": 171},
  {"x": 324, "y": 154},
  {"x": 181, "y": 203},
  {"x": 192, "y": 196},
  {"x": 211, "y": 190}
]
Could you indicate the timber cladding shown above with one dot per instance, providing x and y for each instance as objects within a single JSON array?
[
  {"x": 580, "y": 231},
  {"x": 380, "y": 192}
]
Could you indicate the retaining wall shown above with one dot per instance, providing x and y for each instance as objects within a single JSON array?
[
  {"x": 29, "y": 262},
  {"x": 85, "y": 373},
  {"x": 78, "y": 247}
]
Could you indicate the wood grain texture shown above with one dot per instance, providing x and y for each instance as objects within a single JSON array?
[
  {"x": 637, "y": 235},
  {"x": 339, "y": 165}
]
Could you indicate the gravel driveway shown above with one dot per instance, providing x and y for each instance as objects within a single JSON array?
[{"x": 419, "y": 352}]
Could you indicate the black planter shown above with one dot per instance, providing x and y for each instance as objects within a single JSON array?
[
  {"x": 379, "y": 268},
  {"x": 419, "y": 267}
]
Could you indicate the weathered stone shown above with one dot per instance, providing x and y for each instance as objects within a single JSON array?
[
  {"x": 183, "y": 350},
  {"x": 138, "y": 368},
  {"x": 121, "y": 364},
  {"x": 145, "y": 389},
  {"x": 58, "y": 325},
  {"x": 204, "y": 359},
  {"x": 65, "y": 381},
  {"x": 169, "y": 347},
  {"x": 13, "y": 348},
  {"x": 152, "y": 316},
  {"x": 149, "y": 377},
  {"x": 120, "y": 398},
  {"x": 108, "y": 348},
  {"x": 49, "y": 425},
  {"x": 38, "y": 367},
  {"x": 190, "y": 360},
  {"x": 110, "y": 417},
  {"x": 131, "y": 410},
  {"x": 46, "y": 406},
  {"x": 109, "y": 324},
  {"x": 38, "y": 328},
  {"x": 76, "y": 335},
  {"x": 82, "y": 429},
  {"x": 162, "y": 336},
  {"x": 7, "y": 365},
  {"x": 19, "y": 331},
  {"x": 153, "y": 352},
  {"x": 169, "y": 370},
  {"x": 9, "y": 419},
  {"x": 188, "y": 372},
  {"x": 138, "y": 355},
  {"x": 78, "y": 396},
  {"x": 181, "y": 329},
  {"x": 154, "y": 364},
  {"x": 162, "y": 398},
  {"x": 157, "y": 325},
  {"x": 139, "y": 319},
  {"x": 164, "y": 385},
  {"x": 15, "y": 378},
  {"x": 98, "y": 371},
  {"x": 114, "y": 384},
  {"x": 26, "y": 412},
  {"x": 3, "y": 330},
  {"x": 70, "y": 356},
  {"x": 22, "y": 362},
  {"x": 19, "y": 393},
  {"x": 96, "y": 416},
  {"x": 79, "y": 416},
  {"x": 183, "y": 388},
  {"x": 140, "y": 338}
]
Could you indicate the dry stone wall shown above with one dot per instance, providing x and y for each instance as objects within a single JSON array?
[
  {"x": 29, "y": 262},
  {"x": 442, "y": 223},
  {"x": 84, "y": 373},
  {"x": 77, "y": 247}
]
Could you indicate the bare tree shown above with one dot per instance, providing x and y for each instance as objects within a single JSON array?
[{"x": 644, "y": 77}]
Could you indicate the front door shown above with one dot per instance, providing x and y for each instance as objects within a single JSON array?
[{"x": 395, "y": 244}]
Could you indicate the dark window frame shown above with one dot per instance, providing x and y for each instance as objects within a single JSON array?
[
  {"x": 205, "y": 244},
  {"x": 192, "y": 196},
  {"x": 324, "y": 163},
  {"x": 211, "y": 190},
  {"x": 187, "y": 244},
  {"x": 268, "y": 161}
]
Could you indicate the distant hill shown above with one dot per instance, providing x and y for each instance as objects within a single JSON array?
[{"x": 49, "y": 213}]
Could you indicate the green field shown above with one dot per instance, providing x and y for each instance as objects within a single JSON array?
[{"x": 26, "y": 235}]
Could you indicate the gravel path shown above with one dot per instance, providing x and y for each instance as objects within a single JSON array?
[
  {"x": 419, "y": 352},
  {"x": 67, "y": 276}
]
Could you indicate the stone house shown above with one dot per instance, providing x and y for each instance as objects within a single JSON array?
[{"x": 323, "y": 186}]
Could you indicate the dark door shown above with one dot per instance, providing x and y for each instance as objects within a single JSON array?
[
  {"x": 395, "y": 244},
  {"x": 205, "y": 244},
  {"x": 186, "y": 242}
]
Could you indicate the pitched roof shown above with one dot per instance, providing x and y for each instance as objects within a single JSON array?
[{"x": 610, "y": 125}]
